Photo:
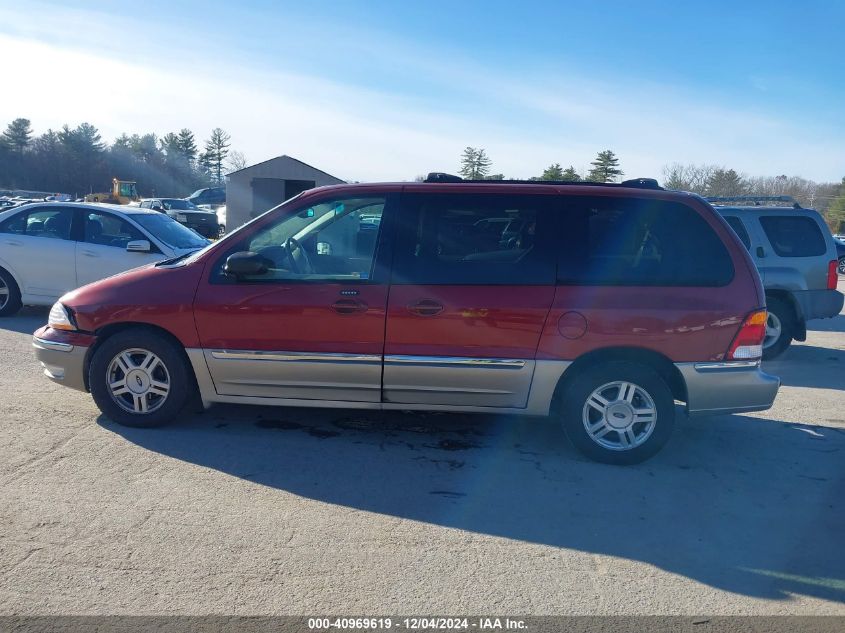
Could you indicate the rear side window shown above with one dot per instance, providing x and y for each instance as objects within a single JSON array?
[
  {"x": 793, "y": 236},
  {"x": 630, "y": 242},
  {"x": 51, "y": 222},
  {"x": 739, "y": 229},
  {"x": 474, "y": 239}
]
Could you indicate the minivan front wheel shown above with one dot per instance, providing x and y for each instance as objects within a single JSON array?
[
  {"x": 139, "y": 378},
  {"x": 618, "y": 412}
]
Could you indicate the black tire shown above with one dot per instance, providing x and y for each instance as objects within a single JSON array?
[
  {"x": 10, "y": 302},
  {"x": 576, "y": 413},
  {"x": 785, "y": 317},
  {"x": 181, "y": 385},
  {"x": 841, "y": 266}
]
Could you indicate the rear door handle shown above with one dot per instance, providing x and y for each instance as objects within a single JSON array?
[
  {"x": 349, "y": 306},
  {"x": 90, "y": 254},
  {"x": 761, "y": 252},
  {"x": 12, "y": 242},
  {"x": 426, "y": 307}
]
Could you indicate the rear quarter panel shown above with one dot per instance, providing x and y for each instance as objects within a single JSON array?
[{"x": 684, "y": 324}]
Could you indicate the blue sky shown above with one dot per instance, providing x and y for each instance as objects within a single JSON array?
[{"x": 377, "y": 90}]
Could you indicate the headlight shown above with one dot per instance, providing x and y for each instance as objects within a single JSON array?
[{"x": 59, "y": 318}]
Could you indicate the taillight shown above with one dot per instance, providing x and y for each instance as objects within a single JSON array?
[
  {"x": 748, "y": 342},
  {"x": 831, "y": 274}
]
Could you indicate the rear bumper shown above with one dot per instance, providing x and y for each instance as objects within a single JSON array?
[
  {"x": 63, "y": 362},
  {"x": 819, "y": 304},
  {"x": 730, "y": 387}
]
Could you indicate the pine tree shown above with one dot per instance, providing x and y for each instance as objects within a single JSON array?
[
  {"x": 552, "y": 172},
  {"x": 187, "y": 144},
  {"x": 605, "y": 167},
  {"x": 468, "y": 163},
  {"x": 17, "y": 135},
  {"x": 475, "y": 164},
  {"x": 726, "y": 182},
  {"x": 570, "y": 175},
  {"x": 216, "y": 150}
]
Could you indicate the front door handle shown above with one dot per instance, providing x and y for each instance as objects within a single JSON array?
[
  {"x": 426, "y": 307},
  {"x": 90, "y": 254},
  {"x": 349, "y": 306},
  {"x": 13, "y": 243}
]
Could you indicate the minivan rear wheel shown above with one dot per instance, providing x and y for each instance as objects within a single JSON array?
[
  {"x": 618, "y": 412},
  {"x": 139, "y": 378},
  {"x": 780, "y": 325}
]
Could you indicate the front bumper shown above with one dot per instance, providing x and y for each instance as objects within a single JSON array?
[
  {"x": 819, "y": 304},
  {"x": 63, "y": 361},
  {"x": 729, "y": 387}
]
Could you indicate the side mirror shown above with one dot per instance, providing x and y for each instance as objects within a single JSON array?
[
  {"x": 139, "y": 246},
  {"x": 157, "y": 207},
  {"x": 245, "y": 263}
]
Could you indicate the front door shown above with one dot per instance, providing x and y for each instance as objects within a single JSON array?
[
  {"x": 473, "y": 281},
  {"x": 312, "y": 325},
  {"x": 102, "y": 250}
]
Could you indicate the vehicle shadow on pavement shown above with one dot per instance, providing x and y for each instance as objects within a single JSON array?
[
  {"x": 836, "y": 324},
  {"x": 741, "y": 503},
  {"x": 29, "y": 319},
  {"x": 809, "y": 366}
]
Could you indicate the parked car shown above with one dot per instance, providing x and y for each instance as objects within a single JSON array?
[
  {"x": 840, "y": 254},
  {"x": 49, "y": 248},
  {"x": 200, "y": 220},
  {"x": 213, "y": 196},
  {"x": 797, "y": 259},
  {"x": 221, "y": 216},
  {"x": 613, "y": 302}
]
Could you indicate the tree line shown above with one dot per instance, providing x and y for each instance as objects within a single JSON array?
[
  {"x": 77, "y": 161},
  {"x": 706, "y": 180}
]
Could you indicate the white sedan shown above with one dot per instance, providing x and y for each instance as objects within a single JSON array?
[{"x": 50, "y": 248}]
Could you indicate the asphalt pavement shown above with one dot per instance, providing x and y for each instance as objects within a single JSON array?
[{"x": 294, "y": 511}]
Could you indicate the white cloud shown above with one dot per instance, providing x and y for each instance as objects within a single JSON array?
[{"x": 360, "y": 132}]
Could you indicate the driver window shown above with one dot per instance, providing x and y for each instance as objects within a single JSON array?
[
  {"x": 106, "y": 229},
  {"x": 328, "y": 241}
]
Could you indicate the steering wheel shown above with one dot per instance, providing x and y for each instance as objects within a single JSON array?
[{"x": 299, "y": 263}]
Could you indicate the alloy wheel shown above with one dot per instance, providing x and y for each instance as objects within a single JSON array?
[
  {"x": 619, "y": 416},
  {"x": 4, "y": 293},
  {"x": 138, "y": 381},
  {"x": 774, "y": 328}
]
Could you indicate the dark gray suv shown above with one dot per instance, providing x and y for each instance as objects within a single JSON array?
[{"x": 797, "y": 259}]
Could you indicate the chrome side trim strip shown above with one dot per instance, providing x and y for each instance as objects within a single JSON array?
[
  {"x": 40, "y": 343},
  {"x": 733, "y": 364},
  {"x": 444, "y": 390},
  {"x": 291, "y": 357},
  {"x": 455, "y": 361}
]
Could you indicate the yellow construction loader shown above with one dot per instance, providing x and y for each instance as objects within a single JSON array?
[{"x": 122, "y": 192}]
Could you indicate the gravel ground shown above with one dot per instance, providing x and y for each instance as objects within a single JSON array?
[{"x": 291, "y": 511}]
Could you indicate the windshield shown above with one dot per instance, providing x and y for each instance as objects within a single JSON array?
[
  {"x": 169, "y": 231},
  {"x": 179, "y": 205}
]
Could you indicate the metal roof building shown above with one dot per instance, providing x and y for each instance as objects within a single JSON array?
[{"x": 253, "y": 190}]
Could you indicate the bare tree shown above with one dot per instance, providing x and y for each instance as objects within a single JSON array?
[{"x": 235, "y": 161}]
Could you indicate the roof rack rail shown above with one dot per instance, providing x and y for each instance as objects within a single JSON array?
[
  {"x": 752, "y": 201},
  {"x": 635, "y": 183}
]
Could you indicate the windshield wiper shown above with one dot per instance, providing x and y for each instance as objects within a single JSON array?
[{"x": 173, "y": 260}]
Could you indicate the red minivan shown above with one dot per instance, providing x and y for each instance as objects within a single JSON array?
[{"x": 600, "y": 305}]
